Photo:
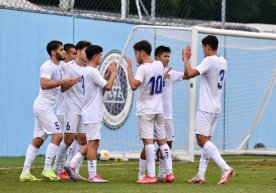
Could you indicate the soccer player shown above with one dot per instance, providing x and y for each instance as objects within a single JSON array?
[
  {"x": 92, "y": 112},
  {"x": 162, "y": 54},
  {"x": 74, "y": 101},
  {"x": 212, "y": 70},
  {"x": 151, "y": 125},
  {"x": 70, "y": 54},
  {"x": 46, "y": 122}
]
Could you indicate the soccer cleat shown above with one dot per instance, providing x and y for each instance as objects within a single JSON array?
[
  {"x": 50, "y": 174},
  {"x": 196, "y": 180},
  {"x": 81, "y": 177},
  {"x": 161, "y": 176},
  {"x": 169, "y": 178},
  {"x": 226, "y": 175},
  {"x": 71, "y": 173},
  {"x": 63, "y": 175},
  {"x": 28, "y": 178},
  {"x": 96, "y": 179},
  {"x": 147, "y": 180}
]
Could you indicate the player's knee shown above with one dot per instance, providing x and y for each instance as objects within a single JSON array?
[
  {"x": 81, "y": 139},
  {"x": 68, "y": 139},
  {"x": 37, "y": 142},
  {"x": 57, "y": 138}
]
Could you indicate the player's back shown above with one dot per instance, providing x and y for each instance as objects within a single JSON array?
[
  {"x": 75, "y": 95},
  {"x": 213, "y": 71},
  {"x": 150, "y": 91}
]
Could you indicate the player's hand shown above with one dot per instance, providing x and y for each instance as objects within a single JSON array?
[
  {"x": 112, "y": 67},
  {"x": 78, "y": 79},
  {"x": 129, "y": 64},
  {"x": 166, "y": 74},
  {"x": 186, "y": 54},
  {"x": 71, "y": 81}
]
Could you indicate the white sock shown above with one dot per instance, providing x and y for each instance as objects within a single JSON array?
[
  {"x": 203, "y": 163},
  {"x": 71, "y": 151},
  {"x": 76, "y": 159},
  {"x": 162, "y": 166},
  {"x": 60, "y": 157},
  {"x": 149, "y": 149},
  {"x": 50, "y": 154},
  {"x": 213, "y": 152},
  {"x": 30, "y": 157},
  {"x": 92, "y": 168},
  {"x": 77, "y": 169},
  {"x": 142, "y": 167},
  {"x": 167, "y": 156}
]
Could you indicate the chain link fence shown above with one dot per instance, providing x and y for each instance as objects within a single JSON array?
[{"x": 249, "y": 15}]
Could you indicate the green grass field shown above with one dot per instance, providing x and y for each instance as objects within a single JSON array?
[{"x": 253, "y": 174}]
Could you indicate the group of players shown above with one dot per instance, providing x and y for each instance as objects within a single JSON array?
[{"x": 70, "y": 102}]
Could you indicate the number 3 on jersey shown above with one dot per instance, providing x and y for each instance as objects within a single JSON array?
[
  {"x": 156, "y": 85},
  {"x": 221, "y": 75}
]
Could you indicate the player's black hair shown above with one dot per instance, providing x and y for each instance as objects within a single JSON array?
[
  {"x": 92, "y": 50},
  {"x": 143, "y": 45},
  {"x": 160, "y": 49},
  {"x": 82, "y": 44},
  {"x": 53, "y": 45},
  {"x": 68, "y": 46},
  {"x": 212, "y": 41}
]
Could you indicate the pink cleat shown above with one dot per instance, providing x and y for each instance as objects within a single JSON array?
[
  {"x": 96, "y": 179},
  {"x": 169, "y": 178},
  {"x": 63, "y": 175},
  {"x": 196, "y": 180},
  {"x": 71, "y": 172},
  {"x": 148, "y": 180},
  {"x": 226, "y": 175}
]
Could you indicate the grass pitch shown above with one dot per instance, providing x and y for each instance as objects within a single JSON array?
[{"x": 253, "y": 174}]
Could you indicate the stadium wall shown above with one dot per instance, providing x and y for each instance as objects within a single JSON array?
[{"x": 23, "y": 38}]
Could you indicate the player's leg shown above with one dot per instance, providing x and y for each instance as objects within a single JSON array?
[
  {"x": 146, "y": 129},
  {"x": 160, "y": 136},
  {"x": 81, "y": 142},
  {"x": 142, "y": 165},
  {"x": 49, "y": 123},
  {"x": 72, "y": 150},
  {"x": 38, "y": 140},
  {"x": 71, "y": 125},
  {"x": 93, "y": 135},
  {"x": 169, "y": 139}
]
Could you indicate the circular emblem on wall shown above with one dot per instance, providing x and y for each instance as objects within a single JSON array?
[{"x": 117, "y": 101}]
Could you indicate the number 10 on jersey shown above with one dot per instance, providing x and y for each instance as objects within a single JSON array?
[{"x": 156, "y": 85}]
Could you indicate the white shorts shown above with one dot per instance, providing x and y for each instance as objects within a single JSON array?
[
  {"x": 61, "y": 122},
  {"x": 169, "y": 129},
  {"x": 205, "y": 123},
  {"x": 73, "y": 124},
  {"x": 46, "y": 123},
  {"x": 93, "y": 131},
  {"x": 151, "y": 126}
]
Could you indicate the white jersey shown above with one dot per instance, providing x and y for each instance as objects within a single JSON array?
[
  {"x": 168, "y": 83},
  {"x": 49, "y": 97},
  {"x": 212, "y": 70},
  {"x": 150, "y": 91},
  {"x": 74, "y": 97},
  {"x": 61, "y": 102},
  {"x": 92, "y": 111}
]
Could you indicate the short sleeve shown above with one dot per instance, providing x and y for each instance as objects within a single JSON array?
[
  {"x": 204, "y": 66},
  {"x": 46, "y": 71},
  {"x": 176, "y": 76},
  {"x": 99, "y": 80},
  {"x": 139, "y": 74}
]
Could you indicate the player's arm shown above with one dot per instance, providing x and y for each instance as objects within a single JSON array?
[
  {"x": 69, "y": 82},
  {"x": 189, "y": 71},
  {"x": 134, "y": 84},
  {"x": 111, "y": 79},
  {"x": 46, "y": 83}
]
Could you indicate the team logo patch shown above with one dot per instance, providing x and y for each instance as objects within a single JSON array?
[{"x": 117, "y": 101}]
